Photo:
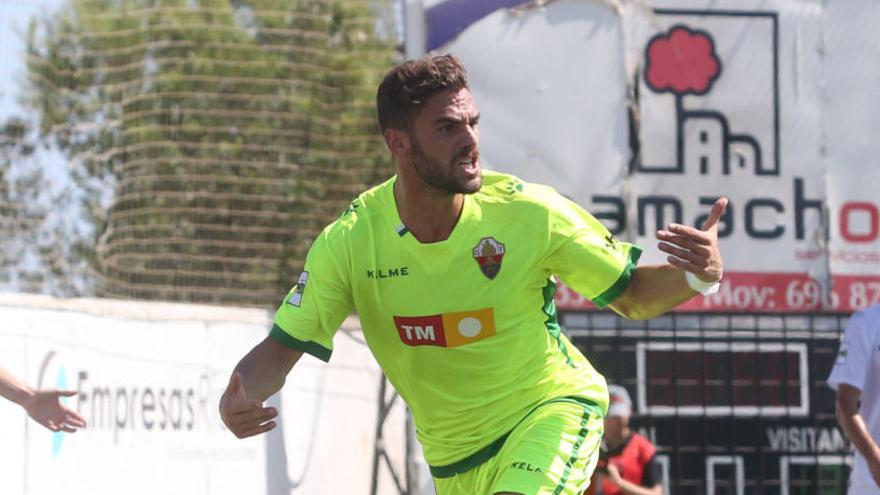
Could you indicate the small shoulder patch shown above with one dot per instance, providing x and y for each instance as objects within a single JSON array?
[
  {"x": 514, "y": 186},
  {"x": 842, "y": 353},
  {"x": 296, "y": 296}
]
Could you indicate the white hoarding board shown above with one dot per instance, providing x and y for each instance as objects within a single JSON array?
[{"x": 148, "y": 378}]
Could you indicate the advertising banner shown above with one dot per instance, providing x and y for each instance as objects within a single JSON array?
[
  {"x": 148, "y": 378},
  {"x": 646, "y": 112}
]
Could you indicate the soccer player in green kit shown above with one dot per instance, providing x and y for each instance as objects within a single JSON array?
[{"x": 452, "y": 273}]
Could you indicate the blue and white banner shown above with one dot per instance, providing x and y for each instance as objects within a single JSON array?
[{"x": 148, "y": 377}]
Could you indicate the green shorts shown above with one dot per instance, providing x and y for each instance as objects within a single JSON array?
[{"x": 554, "y": 450}]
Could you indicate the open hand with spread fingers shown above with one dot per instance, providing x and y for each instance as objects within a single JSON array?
[
  {"x": 695, "y": 250},
  {"x": 244, "y": 417},
  {"x": 45, "y": 407}
]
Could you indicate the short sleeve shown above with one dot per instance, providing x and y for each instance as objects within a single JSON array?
[
  {"x": 851, "y": 366},
  {"x": 316, "y": 306},
  {"x": 586, "y": 256},
  {"x": 652, "y": 475}
]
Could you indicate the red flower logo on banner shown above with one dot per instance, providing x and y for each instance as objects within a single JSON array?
[{"x": 682, "y": 61}]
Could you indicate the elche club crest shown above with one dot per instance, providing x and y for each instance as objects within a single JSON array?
[{"x": 489, "y": 253}]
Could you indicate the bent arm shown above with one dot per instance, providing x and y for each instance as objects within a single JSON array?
[
  {"x": 264, "y": 369},
  {"x": 653, "y": 290},
  {"x": 13, "y": 389},
  {"x": 634, "y": 489},
  {"x": 847, "y": 412}
]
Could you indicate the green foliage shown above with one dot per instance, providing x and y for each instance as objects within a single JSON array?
[
  {"x": 38, "y": 249},
  {"x": 212, "y": 139},
  {"x": 19, "y": 216}
]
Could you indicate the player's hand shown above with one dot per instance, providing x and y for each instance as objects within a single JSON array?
[
  {"x": 244, "y": 418},
  {"x": 614, "y": 474},
  {"x": 45, "y": 407},
  {"x": 695, "y": 250}
]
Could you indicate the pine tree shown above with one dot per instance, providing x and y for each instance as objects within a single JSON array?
[{"x": 211, "y": 139}]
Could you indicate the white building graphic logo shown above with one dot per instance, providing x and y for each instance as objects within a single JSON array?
[{"x": 724, "y": 97}]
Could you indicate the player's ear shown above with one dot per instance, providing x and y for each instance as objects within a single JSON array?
[{"x": 397, "y": 141}]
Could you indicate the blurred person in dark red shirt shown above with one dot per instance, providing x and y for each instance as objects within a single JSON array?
[{"x": 626, "y": 460}]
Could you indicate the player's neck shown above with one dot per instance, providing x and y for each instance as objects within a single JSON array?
[{"x": 429, "y": 214}]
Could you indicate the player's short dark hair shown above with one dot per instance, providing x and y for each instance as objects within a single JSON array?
[{"x": 406, "y": 87}]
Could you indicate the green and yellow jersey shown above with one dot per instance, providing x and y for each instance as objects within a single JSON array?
[{"x": 465, "y": 329}]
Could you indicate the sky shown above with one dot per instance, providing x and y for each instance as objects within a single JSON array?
[{"x": 14, "y": 18}]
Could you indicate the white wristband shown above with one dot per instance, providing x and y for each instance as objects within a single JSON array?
[{"x": 701, "y": 286}]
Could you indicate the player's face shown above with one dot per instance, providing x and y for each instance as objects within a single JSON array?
[
  {"x": 444, "y": 143},
  {"x": 614, "y": 428}
]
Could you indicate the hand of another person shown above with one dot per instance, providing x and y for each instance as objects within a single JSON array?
[
  {"x": 695, "y": 250},
  {"x": 45, "y": 407},
  {"x": 244, "y": 418},
  {"x": 614, "y": 474}
]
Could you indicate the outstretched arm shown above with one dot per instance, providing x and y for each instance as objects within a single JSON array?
[
  {"x": 260, "y": 374},
  {"x": 847, "y": 412},
  {"x": 44, "y": 406},
  {"x": 13, "y": 389},
  {"x": 654, "y": 289}
]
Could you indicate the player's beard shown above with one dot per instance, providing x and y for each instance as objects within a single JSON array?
[{"x": 445, "y": 177}]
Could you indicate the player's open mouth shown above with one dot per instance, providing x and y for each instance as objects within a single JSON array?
[{"x": 471, "y": 164}]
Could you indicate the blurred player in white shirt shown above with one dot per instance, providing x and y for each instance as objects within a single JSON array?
[{"x": 856, "y": 378}]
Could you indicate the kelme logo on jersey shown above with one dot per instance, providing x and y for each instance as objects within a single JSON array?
[
  {"x": 296, "y": 295},
  {"x": 489, "y": 253},
  {"x": 448, "y": 329}
]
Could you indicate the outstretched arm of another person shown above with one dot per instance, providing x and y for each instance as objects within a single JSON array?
[
  {"x": 44, "y": 406},
  {"x": 629, "y": 488},
  {"x": 654, "y": 289},
  {"x": 12, "y": 388},
  {"x": 847, "y": 412},
  {"x": 260, "y": 374}
]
